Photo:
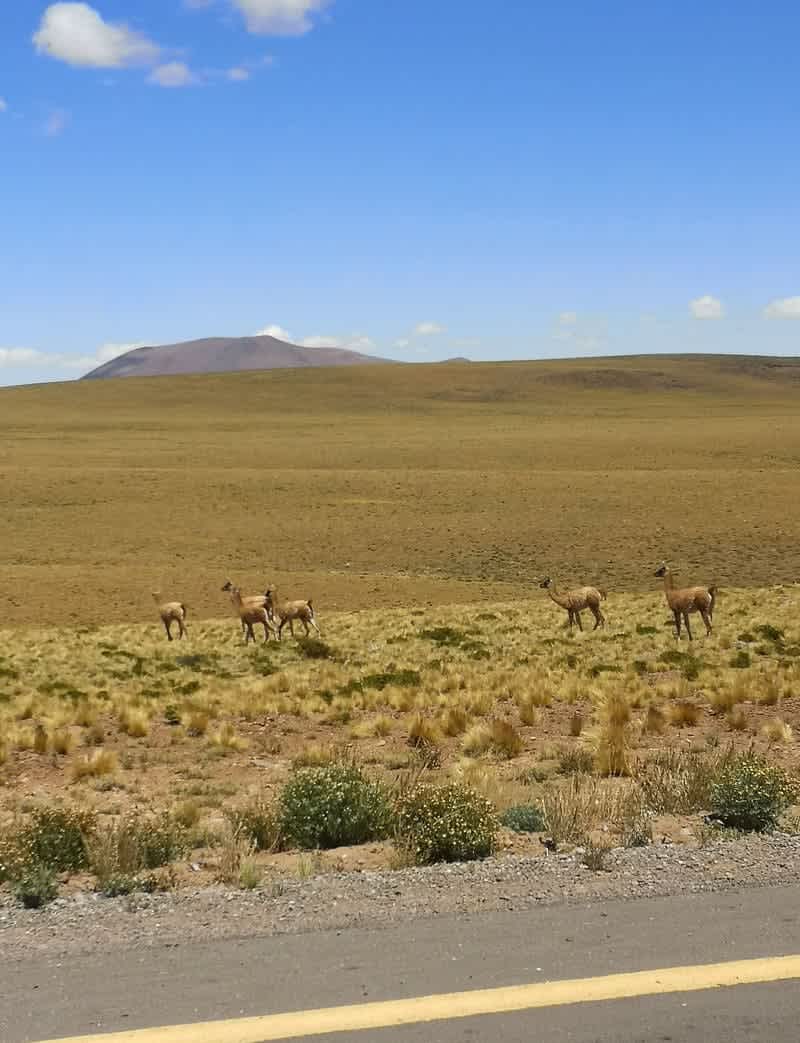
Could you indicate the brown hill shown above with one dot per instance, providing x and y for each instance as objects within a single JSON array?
[{"x": 225, "y": 355}]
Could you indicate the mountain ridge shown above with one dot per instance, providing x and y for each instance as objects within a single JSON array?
[{"x": 225, "y": 355}]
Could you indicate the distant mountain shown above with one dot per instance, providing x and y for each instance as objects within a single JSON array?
[{"x": 225, "y": 355}]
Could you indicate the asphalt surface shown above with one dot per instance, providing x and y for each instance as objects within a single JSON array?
[{"x": 159, "y": 986}]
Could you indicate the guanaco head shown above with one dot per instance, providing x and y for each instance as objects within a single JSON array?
[
  {"x": 228, "y": 587},
  {"x": 545, "y": 582},
  {"x": 662, "y": 569}
]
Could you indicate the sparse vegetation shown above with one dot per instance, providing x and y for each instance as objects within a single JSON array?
[{"x": 545, "y": 712}]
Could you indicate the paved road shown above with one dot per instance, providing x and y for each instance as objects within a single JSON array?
[{"x": 122, "y": 991}]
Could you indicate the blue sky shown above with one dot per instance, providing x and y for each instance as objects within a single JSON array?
[{"x": 418, "y": 178}]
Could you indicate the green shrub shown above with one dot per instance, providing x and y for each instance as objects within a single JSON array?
[
  {"x": 578, "y": 761},
  {"x": 769, "y": 632},
  {"x": 53, "y": 838},
  {"x": 132, "y": 844},
  {"x": 313, "y": 648},
  {"x": 257, "y": 823},
  {"x": 523, "y": 818},
  {"x": 36, "y": 886},
  {"x": 119, "y": 884},
  {"x": 445, "y": 824},
  {"x": 750, "y": 793},
  {"x": 333, "y": 805},
  {"x": 741, "y": 660}
]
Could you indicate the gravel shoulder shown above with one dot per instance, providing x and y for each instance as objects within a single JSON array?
[{"x": 91, "y": 923}]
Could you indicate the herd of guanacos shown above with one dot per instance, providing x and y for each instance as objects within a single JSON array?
[{"x": 265, "y": 610}]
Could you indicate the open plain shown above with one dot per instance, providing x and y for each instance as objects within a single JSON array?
[
  {"x": 396, "y": 485},
  {"x": 419, "y": 506}
]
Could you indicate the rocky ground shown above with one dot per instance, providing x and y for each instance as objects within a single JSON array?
[{"x": 335, "y": 901}]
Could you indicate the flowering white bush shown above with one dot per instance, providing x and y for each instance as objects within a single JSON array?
[{"x": 445, "y": 824}]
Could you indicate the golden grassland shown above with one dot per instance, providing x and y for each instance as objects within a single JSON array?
[
  {"x": 418, "y": 506},
  {"x": 501, "y": 696},
  {"x": 398, "y": 486}
]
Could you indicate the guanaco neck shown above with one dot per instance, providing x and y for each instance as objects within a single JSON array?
[{"x": 555, "y": 596}]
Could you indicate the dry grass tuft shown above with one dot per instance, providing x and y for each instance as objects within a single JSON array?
[
  {"x": 454, "y": 721},
  {"x": 576, "y": 724},
  {"x": 93, "y": 765},
  {"x": 225, "y": 738},
  {"x": 610, "y": 739},
  {"x": 196, "y": 723},
  {"x": 777, "y": 731},
  {"x": 134, "y": 722},
  {"x": 63, "y": 742},
  {"x": 314, "y": 755},
  {"x": 498, "y": 737},
  {"x": 684, "y": 714},
  {"x": 737, "y": 719},
  {"x": 424, "y": 734},
  {"x": 655, "y": 723}
]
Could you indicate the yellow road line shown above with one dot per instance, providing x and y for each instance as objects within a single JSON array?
[{"x": 449, "y": 1006}]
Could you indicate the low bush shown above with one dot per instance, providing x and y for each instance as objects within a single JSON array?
[
  {"x": 52, "y": 838},
  {"x": 257, "y": 823},
  {"x": 133, "y": 844},
  {"x": 36, "y": 886},
  {"x": 675, "y": 782},
  {"x": 523, "y": 818},
  {"x": 749, "y": 793},
  {"x": 313, "y": 648},
  {"x": 445, "y": 824},
  {"x": 334, "y": 805},
  {"x": 578, "y": 761}
]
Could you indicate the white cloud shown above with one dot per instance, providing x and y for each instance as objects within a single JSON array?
[
  {"x": 707, "y": 308},
  {"x": 173, "y": 74},
  {"x": 360, "y": 343},
  {"x": 239, "y": 74},
  {"x": 428, "y": 329},
  {"x": 3, "y": 105},
  {"x": 275, "y": 331},
  {"x": 783, "y": 308},
  {"x": 20, "y": 357},
  {"x": 111, "y": 350},
  {"x": 402, "y": 342},
  {"x": 567, "y": 318},
  {"x": 75, "y": 33},
  {"x": 355, "y": 342},
  {"x": 280, "y": 17},
  {"x": 321, "y": 342},
  {"x": 56, "y": 123}
]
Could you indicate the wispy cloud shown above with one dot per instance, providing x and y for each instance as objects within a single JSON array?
[
  {"x": 707, "y": 308},
  {"x": 3, "y": 105},
  {"x": 20, "y": 357},
  {"x": 238, "y": 74},
  {"x": 280, "y": 17},
  {"x": 173, "y": 74},
  {"x": 567, "y": 318},
  {"x": 783, "y": 308},
  {"x": 75, "y": 33},
  {"x": 56, "y": 123},
  {"x": 428, "y": 329},
  {"x": 53, "y": 362}
]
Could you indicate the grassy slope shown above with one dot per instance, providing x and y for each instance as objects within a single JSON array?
[{"x": 396, "y": 485}]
